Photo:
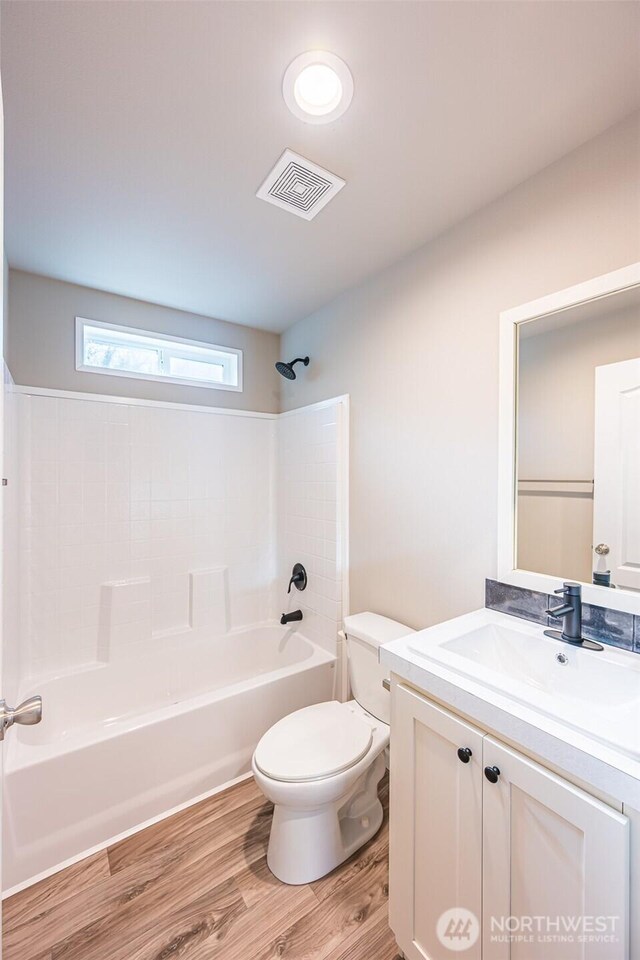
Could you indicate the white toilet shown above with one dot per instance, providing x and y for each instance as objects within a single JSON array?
[{"x": 321, "y": 765}]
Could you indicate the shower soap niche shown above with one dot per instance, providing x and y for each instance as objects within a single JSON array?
[{"x": 125, "y": 615}]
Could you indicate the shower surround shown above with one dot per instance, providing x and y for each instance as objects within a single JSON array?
[{"x": 151, "y": 535}]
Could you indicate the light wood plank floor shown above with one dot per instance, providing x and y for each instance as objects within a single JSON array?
[{"x": 197, "y": 887}]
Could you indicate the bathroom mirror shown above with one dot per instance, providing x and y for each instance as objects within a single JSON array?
[{"x": 570, "y": 441}]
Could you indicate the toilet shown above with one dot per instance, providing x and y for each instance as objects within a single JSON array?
[{"x": 321, "y": 765}]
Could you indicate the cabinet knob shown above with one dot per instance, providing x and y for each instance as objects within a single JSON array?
[
  {"x": 492, "y": 774},
  {"x": 464, "y": 754}
]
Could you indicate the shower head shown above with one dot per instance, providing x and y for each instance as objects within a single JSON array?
[{"x": 286, "y": 369}]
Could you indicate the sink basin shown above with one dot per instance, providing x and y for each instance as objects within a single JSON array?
[{"x": 594, "y": 692}]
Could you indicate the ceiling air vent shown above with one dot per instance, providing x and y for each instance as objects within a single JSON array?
[{"x": 299, "y": 186}]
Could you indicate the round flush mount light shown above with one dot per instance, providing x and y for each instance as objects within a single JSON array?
[{"x": 317, "y": 87}]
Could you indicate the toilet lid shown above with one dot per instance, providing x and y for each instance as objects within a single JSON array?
[{"x": 314, "y": 743}]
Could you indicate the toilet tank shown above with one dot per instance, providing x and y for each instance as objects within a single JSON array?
[{"x": 366, "y": 633}]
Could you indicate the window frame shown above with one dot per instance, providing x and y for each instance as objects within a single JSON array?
[{"x": 84, "y": 322}]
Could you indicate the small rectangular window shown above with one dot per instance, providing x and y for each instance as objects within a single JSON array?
[{"x": 125, "y": 352}]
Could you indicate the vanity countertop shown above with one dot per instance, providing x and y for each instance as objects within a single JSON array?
[{"x": 577, "y": 709}]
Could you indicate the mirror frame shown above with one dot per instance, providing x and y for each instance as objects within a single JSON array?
[{"x": 596, "y": 289}]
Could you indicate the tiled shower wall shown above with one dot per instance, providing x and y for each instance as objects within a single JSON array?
[
  {"x": 121, "y": 504},
  {"x": 142, "y": 520},
  {"x": 312, "y": 500}
]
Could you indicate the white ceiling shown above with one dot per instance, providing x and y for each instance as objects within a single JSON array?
[{"x": 137, "y": 134}]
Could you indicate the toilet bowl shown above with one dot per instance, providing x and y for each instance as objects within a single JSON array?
[{"x": 321, "y": 765}]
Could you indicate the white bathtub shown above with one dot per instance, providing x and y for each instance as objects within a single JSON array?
[{"x": 129, "y": 741}]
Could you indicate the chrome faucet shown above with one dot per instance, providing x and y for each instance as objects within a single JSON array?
[{"x": 570, "y": 612}]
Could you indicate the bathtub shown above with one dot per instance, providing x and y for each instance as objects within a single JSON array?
[{"x": 129, "y": 741}]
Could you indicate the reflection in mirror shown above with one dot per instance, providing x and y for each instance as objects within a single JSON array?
[{"x": 578, "y": 443}]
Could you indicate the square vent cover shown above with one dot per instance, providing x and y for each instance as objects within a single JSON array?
[{"x": 299, "y": 186}]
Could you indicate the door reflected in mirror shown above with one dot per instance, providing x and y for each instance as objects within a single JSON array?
[{"x": 578, "y": 443}]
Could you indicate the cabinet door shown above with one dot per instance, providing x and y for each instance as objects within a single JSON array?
[
  {"x": 550, "y": 851},
  {"x": 436, "y": 826}
]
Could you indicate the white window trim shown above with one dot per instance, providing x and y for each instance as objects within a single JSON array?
[{"x": 81, "y": 322}]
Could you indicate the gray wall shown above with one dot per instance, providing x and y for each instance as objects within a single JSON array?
[
  {"x": 40, "y": 344},
  {"x": 417, "y": 349}
]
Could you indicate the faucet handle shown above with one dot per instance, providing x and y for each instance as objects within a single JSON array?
[{"x": 571, "y": 588}]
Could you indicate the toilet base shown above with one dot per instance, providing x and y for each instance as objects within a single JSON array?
[{"x": 306, "y": 844}]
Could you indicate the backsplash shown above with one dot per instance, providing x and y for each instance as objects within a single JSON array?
[{"x": 598, "y": 623}]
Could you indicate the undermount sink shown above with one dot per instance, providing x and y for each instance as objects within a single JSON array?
[{"x": 594, "y": 692}]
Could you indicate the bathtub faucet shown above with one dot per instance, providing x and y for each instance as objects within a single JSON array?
[{"x": 289, "y": 617}]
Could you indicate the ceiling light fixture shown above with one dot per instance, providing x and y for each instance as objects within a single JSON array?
[{"x": 317, "y": 87}]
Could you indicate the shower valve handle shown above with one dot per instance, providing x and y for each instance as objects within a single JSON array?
[
  {"x": 293, "y": 580},
  {"x": 27, "y": 713},
  {"x": 299, "y": 577}
]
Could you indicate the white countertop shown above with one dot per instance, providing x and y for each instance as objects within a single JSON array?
[{"x": 562, "y": 744}]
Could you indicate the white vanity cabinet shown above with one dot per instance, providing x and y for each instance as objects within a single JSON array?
[
  {"x": 435, "y": 850},
  {"x": 529, "y": 845}
]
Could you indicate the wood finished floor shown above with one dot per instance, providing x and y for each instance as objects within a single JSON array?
[{"x": 197, "y": 887}]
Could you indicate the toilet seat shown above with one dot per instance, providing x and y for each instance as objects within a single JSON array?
[{"x": 314, "y": 743}]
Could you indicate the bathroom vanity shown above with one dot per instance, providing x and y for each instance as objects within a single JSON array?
[
  {"x": 509, "y": 800},
  {"x": 515, "y": 756}
]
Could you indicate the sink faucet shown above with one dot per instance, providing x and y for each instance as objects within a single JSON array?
[{"x": 570, "y": 612}]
